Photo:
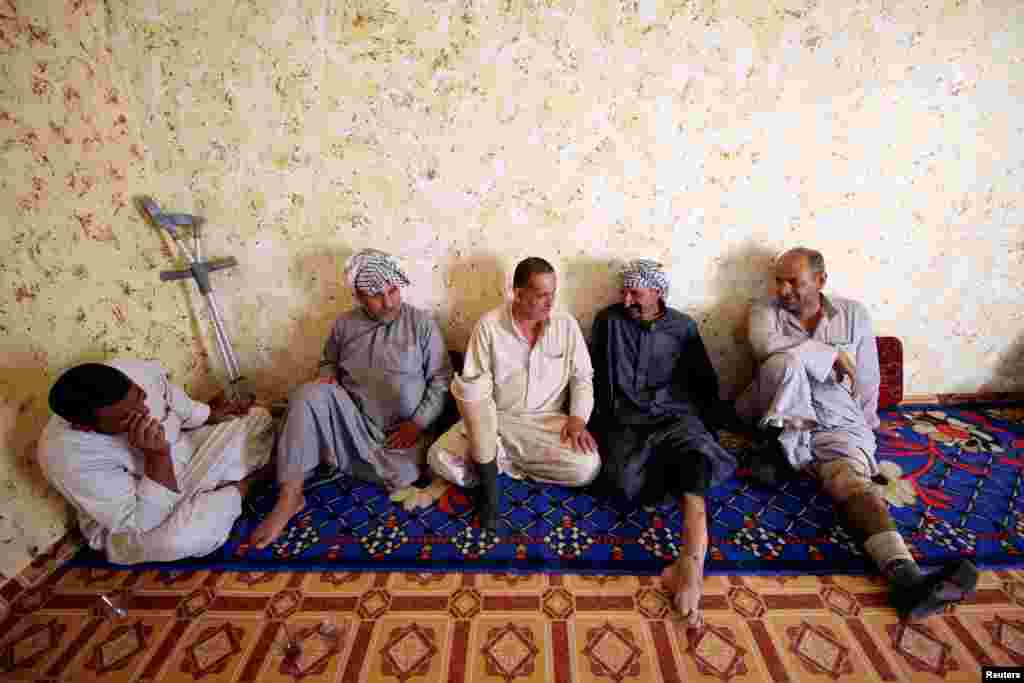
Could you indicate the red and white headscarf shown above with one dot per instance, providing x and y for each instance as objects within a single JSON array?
[{"x": 372, "y": 271}]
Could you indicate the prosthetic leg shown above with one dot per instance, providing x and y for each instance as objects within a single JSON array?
[
  {"x": 475, "y": 398},
  {"x": 766, "y": 459},
  {"x": 915, "y": 595}
]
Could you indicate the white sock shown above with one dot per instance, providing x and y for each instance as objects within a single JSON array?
[{"x": 885, "y": 547}]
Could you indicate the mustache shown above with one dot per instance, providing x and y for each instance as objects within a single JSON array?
[{"x": 634, "y": 307}]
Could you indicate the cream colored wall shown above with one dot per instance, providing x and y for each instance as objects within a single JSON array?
[{"x": 466, "y": 135}]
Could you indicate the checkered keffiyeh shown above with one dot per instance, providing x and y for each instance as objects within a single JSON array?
[
  {"x": 371, "y": 271},
  {"x": 644, "y": 274}
]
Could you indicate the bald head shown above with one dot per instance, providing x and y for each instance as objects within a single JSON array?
[
  {"x": 799, "y": 279},
  {"x": 815, "y": 261}
]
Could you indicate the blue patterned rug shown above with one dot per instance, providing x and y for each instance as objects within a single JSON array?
[{"x": 956, "y": 479}]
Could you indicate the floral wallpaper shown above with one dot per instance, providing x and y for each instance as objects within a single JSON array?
[{"x": 464, "y": 135}]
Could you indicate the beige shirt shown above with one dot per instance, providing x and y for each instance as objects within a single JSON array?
[{"x": 527, "y": 380}]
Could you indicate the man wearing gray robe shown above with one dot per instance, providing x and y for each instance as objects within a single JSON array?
[
  {"x": 654, "y": 387},
  {"x": 815, "y": 400},
  {"x": 383, "y": 380}
]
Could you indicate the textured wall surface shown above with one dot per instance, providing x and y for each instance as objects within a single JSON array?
[{"x": 465, "y": 135}]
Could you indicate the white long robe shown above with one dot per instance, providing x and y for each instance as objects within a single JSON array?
[
  {"x": 130, "y": 516},
  {"x": 536, "y": 390}
]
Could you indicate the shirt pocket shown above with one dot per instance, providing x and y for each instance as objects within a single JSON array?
[
  {"x": 549, "y": 368},
  {"x": 551, "y": 348},
  {"x": 552, "y": 360},
  {"x": 840, "y": 334}
]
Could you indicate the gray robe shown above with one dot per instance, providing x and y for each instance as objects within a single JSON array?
[
  {"x": 387, "y": 373},
  {"x": 796, "y": 383}
]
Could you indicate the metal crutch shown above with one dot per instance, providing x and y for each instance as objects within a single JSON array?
[{"x": 199, "y": 270}]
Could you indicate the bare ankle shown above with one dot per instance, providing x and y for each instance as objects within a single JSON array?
[{"x": 291, "y": 492}]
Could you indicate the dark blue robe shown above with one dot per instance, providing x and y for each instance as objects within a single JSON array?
[{"x": 655, "y": 392}]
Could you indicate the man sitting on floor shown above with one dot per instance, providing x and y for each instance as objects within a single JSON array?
[
  {"x": 145, "y": 488},
  {"x": 523, "y": 366},
  {"x": 815, "y": 398},
  {"x": 653, "y": 384},
  {"x": 383, "y": 380}
]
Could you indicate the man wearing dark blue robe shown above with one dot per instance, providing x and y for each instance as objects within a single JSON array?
[{"x": 654, "y": 389}]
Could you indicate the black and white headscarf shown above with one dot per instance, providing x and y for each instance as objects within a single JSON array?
[
  {"x": 645, "y": 274},
  {"x": 371, "y": 271}
]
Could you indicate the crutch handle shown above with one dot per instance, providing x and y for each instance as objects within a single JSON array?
[
  {"x": 221, "y": 263},
  {"x": 200, "y": 271},
  {"x": 168, "y": 275}
]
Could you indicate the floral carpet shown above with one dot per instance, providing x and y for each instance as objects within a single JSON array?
[{"x": 953, "y": 479}]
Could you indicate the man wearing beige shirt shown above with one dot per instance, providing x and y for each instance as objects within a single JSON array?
[
  {"x": 815, "y": 399},
  {"x": 525, "y": 394}
]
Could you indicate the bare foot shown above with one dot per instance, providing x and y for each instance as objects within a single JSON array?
[
  {"x": 685, "y": 580},
  {"x": 288, "y": 505}
]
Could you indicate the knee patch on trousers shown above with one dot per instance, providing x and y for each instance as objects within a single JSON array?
[{"x": 843, "y": 480}]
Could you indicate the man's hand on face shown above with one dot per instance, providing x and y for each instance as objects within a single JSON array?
[
  {"x": 575, "y": 433},
  {"x": 405, "y": 435},
  {"x": 845, "y": 367},
  {"x": 146, "y": 433}
]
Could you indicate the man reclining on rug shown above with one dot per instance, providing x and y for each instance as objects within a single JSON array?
[
  {"x": 654, "y": 386},
  {"x": 148, "y": 486},
  {"x": 815, "y": 399},
  {"x": 523, "y": 365},
  {"x": 383, "y": 380}
]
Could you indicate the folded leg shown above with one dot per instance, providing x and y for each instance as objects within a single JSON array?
[{"x": 534, "y": 448}]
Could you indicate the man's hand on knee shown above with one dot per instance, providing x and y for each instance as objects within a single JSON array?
[{"x": 575, "y": 433}]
